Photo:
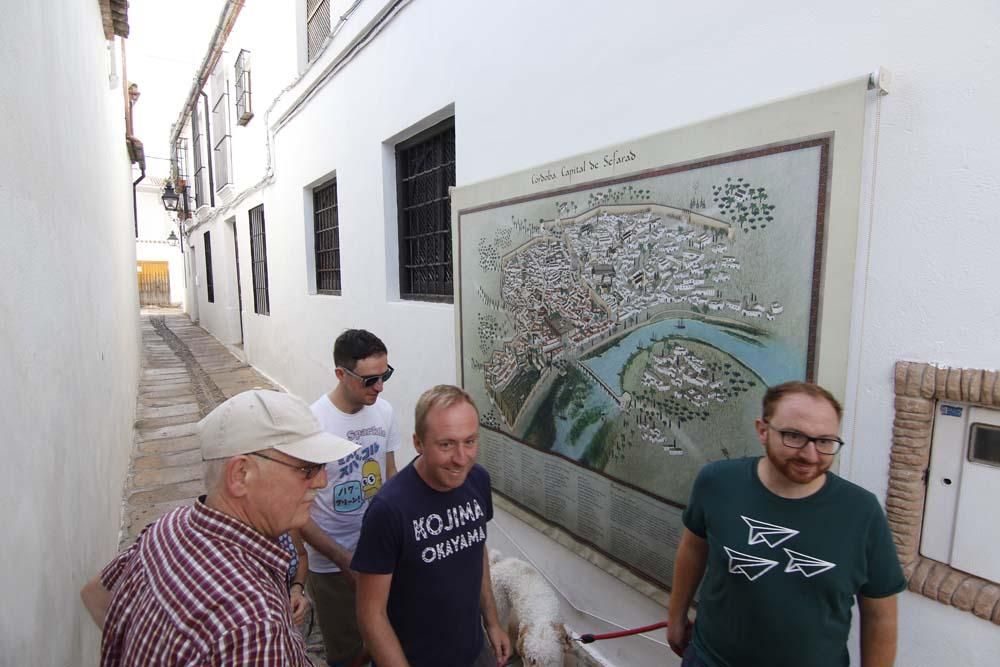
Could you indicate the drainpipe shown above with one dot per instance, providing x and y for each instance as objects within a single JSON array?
[{"x": 208, "y": 142}]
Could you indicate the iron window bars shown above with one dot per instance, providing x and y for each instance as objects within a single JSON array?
[
  {"x": 326, "y": 227},
  {"x": 425, "y": 168},
  {"x": 209, "y": 283},
  {"x": 317, "y": 26},
  {"x": 258, "y": 261},
  {"x": 244, "y": 106}
]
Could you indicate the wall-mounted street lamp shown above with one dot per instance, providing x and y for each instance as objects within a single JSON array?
[
  {"x": 169, "y": 197},
  {"x": 173, "y": 237}
]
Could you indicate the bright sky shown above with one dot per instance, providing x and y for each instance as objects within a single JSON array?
[{"x": 166, "y": 44}]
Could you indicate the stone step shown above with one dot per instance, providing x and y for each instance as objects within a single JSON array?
[
  {"x": 160, "y": 477},
  {"x": 183, "y": 458},
  {"x": 170, "y": 445},
  {"x": 179, "y": 491},
  {"x": 165, "y": 432},
  {"x": 171, "y": 410},
  {"x": 155, "y": 423}
]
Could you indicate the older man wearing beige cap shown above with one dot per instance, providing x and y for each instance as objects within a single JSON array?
[{"x": 205, "y": 584}]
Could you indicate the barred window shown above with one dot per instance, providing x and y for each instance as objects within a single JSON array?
[
  {"x": 244, "y": 107},
  {"x": 317, "y": 26},
  {"x": 258, "y": 261},
  {"x": 425, "y": 168},
  {"x": 326, "y": 227},
  {"x": 199, "y": 167},
  {"x": 180, "y": 159},
  {"x": 220, "y": 129},
  {"x": 209, "y": 284}
]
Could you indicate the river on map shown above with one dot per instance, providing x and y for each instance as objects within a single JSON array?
[{"x": 772, "y": 362}]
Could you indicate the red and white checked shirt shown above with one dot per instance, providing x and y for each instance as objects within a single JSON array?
[{"x": 200, "y": 588}]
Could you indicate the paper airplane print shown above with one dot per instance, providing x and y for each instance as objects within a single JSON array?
[
  {"x": 805, "y": 565},
  {"x": 749, "y": 566},
  {"x": 768, "y": 533}
]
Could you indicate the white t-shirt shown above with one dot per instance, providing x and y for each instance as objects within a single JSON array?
[{"x": 353, "y": 480}]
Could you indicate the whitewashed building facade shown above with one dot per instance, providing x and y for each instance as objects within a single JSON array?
[{"x": 308, "y": 105}]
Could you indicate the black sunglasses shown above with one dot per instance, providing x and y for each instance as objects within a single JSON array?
[{"x": 371, "y": 380}]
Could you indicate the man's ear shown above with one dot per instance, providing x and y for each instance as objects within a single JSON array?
[
  {"x": 417, "y": 445},
  {"x": 761, "y": 427},
  {"x": 236, "y": 476}
]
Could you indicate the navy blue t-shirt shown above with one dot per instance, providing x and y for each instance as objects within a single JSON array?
[{"x": 432, "y": 543}]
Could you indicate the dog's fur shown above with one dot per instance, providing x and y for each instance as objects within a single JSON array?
[{"x": 528, "y": 606}]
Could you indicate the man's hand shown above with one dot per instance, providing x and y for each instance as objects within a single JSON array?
[
  {"x": 327, "y": 546},
  {"x": 689, "y": 566},
  {"x": 373, "y": 620},
  {"x": 97, "y": 600},
  {"x": 300, "y": 605},
  {"x": 679, "y": 636},
  {"x": 500, "y": 642}
]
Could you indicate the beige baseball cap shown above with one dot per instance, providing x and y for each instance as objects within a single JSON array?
[{"x": 260, "y": 419}]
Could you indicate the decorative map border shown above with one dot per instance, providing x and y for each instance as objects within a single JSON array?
[{"x": 823, "y": 142}]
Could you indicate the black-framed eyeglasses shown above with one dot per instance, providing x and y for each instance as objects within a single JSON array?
[
  {"x": 796, "y": 440},
  {"x": 371, "y": 380},
  {"x": 309, "y": 471}
]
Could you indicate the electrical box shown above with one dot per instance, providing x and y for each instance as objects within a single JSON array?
[{"x": 963, "y": 489}]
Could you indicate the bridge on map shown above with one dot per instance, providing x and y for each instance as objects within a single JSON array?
[{"x": 604, "y": 385}]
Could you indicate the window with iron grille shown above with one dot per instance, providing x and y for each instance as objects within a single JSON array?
[
  {"x": 317, "y": 26},
  {"x": 179, "y": 159},
  {"x": 258, "y": 261},
  {"x": 209, "y": 284},
  {"x": 199, "y": 168},
  {"x": 244, "y": 108},
  {"x": 425, "y": 168},
  {"x": 178, "y": 171},
  {"x": 220, "y": 129},
  {"x": 326, "y": 227}
]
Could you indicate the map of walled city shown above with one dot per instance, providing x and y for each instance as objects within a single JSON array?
[{"x": 631, "y": 326}]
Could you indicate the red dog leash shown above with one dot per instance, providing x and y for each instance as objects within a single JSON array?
[{"x": 588, "y": 638}]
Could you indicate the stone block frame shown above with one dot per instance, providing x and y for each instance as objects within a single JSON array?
[{"x": 917, "y": 388}]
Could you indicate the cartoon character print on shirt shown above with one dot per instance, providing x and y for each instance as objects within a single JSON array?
[
  {"x": 353, "y": 495},
  {"x": 753, "y": 567},
  {"x": 348, "y": 496},
  {"x": 371, "y": 478}
]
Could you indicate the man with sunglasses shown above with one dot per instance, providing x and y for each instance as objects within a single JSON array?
[
  {"x": 206, "y": 584},
  {"x": 355, "y": 411},
  {"x": 785, "y": 548}
]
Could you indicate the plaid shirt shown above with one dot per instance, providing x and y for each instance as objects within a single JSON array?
[{"x": 200, "y": 588}]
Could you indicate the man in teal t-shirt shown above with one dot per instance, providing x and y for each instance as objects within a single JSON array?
[{"x": 785, "y": 546}]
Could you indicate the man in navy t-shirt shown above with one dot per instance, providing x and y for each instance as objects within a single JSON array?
[{"x": 423, "y": 576}]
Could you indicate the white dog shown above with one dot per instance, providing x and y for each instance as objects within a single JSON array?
[{"x": 528, "y": 606}]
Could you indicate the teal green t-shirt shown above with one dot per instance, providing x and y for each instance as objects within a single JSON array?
[{"x": 782, "y": 574}]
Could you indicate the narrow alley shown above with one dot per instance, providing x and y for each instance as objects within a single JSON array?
[{"x": 186, "y": 373}]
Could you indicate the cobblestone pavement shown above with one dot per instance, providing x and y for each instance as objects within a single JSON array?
[{"x": 185, "y": 374}]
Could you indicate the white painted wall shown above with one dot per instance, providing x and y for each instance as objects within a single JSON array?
[
  {"x": 532, "y": 82},
  {"x": 68, "y": 326}
]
